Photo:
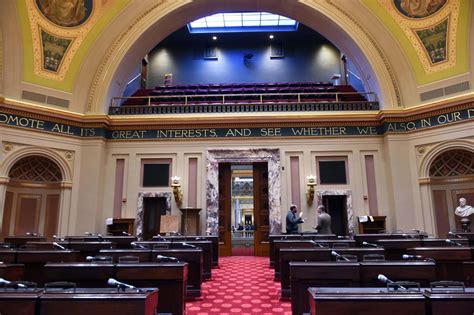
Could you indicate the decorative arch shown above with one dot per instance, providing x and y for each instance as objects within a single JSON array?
[
  {"x": 424, "y": 169},
  {"x": 21, "y": 153},
  {"x": 167, "y": 16}
]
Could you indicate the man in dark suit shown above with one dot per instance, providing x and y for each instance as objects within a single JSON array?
[
  {"x": 292, "y": 220},
  {"x": 324, "y": 221}
]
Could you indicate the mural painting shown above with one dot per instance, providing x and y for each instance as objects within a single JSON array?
[
  {"x": 434, "y": 41},
  {"x": 418, "y": 8},
  {"x": 66, "y": 13},
  {"x": 54, "y": 48}
]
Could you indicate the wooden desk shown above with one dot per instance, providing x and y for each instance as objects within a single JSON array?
[
  {"x": 279, "y": 244},
  {"x": 144, "y": 255},
  {"x": 121, "y": 241},
  {"x": 298, "y": 254},
  {"x": 188, "y": 238},
  {"x": 360, "y": 252},
  {"x": 17, "y": 241},
  {"x": 34, "y": 261},
  {"x": 206, "y": 247},
  {"x": 319, "y": 274},
  {"x": 8, "y": 256},
  {"x": 87, "y": 275},
  {"x": 467, "y": 235},
  {"x": 12, "y": 272},
  {"x": 169, "y": 278},
  {"x": 450, "y": 302},
  {"x": 416, "y": 271},
  {"x": 194, "y": 259},
  {"x": 441, "y": 242},
  {"x": 396, "y": 248},
  {"x": 448, "y": 260},
  {"x": 99, "y": 301},
  {"x": 468, "y": 270},
  {"x": 88, "y": 248},
  {"x": 366, "y": 301},
  {"x": 281, "y": 237},
  {"x": 19, "y": 302}
]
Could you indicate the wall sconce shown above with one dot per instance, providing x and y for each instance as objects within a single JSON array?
[
  {"x": 310, "y": 182},
  {"x": 178, "y": 194}
]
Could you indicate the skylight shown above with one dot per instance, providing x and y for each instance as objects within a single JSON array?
[{"x": 243, "y": 22}]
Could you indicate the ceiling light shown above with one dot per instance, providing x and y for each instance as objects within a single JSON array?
[{"x": 271, "y": 36}]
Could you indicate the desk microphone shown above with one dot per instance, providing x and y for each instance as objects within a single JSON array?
[
  {"x": 5, "y": 282},
  {"x": 316, "y": 243},
  {"x": 188, "y": 245},
  {"x": 121, "y": 285},
  {"x": 333, "y": 253},
  {"x": 126, "y": 233},
  {"x": 454, "y": 235},
  {"x": 370, "y": 244},
  {"x": 414, "y": 257},
  {"x": 161, "y": 238},
  {"x": 416, "y": 231},
  {"x": 384, "y": 279},
  {"x": 453, "y": 243},
  {"x": 88, "y": 233},
  {"x": 161, "y": 258},
  {"x": 100, "y": 237},
  {"x": 137, "y": 245},
  {"x": 59, "y": 246}
]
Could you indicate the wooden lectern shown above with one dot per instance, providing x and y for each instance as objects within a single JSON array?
[{"x": 190, "y": 221}]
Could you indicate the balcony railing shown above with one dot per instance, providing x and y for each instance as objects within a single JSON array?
[{"x": 243, "y": 103}]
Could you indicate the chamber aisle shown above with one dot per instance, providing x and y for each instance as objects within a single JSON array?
[{"x": 241, "y": 284}]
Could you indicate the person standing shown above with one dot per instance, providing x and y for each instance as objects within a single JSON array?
[
  {"x": 292, "y": 220},
  {"x": 324, "y": 221}
]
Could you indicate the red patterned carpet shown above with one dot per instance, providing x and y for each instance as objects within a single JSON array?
[{"x": 241, "y": 284}]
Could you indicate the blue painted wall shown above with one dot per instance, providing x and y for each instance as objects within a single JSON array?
[{"x": 308, "y": 57}]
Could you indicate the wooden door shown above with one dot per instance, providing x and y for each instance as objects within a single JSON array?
[
  {"x": 261, "y": 208},
  {"x": 153, "y": 209},
  {"x": 225, "y": 205}
]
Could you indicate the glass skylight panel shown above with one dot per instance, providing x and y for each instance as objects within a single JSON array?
[{"x": 242, "y": 22}]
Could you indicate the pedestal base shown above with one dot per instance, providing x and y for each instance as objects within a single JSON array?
[{"x": 466, "y": 225}]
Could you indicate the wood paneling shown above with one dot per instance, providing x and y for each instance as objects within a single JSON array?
[
  {"x": 118, "y": 190},
  {"x": 27, "y": 214},
  {"x": 441, "y": 212},
  {"x": 225, "y": 205},
  {"x": 51, "y": 215},
  {"x": 371, "y": 185},
  {"x": 261, "y": 208},
  {"x": 7, "y": 213}
]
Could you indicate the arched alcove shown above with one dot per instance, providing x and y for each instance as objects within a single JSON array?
[
  {"x": 36, "y": 191},
  {"x": 447, "y": 174}
]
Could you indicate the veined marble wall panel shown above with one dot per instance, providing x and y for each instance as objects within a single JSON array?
[
  {"x": 247, "y": 156},
  {"x": 140, "y": 210}
]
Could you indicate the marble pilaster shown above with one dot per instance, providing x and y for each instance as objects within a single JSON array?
[{"x": 141, "y": 195}]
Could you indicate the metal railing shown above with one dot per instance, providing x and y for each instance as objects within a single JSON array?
[{"x": 227, "y": 103}]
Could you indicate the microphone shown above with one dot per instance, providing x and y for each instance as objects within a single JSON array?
[
  {"x": 333, "y": 253},
  {"x": 453, "y": 243},
  {"x": 454, "y": 235},
  {"x": 370, "y": 244},
  {"x": 126, "y": 234},
  {"x": 188, "y": 245},
  {"x": 384, "y": 279},
  {"x": 121, "y": 285},
  {"x": 88, "y": 233},
  {"x": 416, "y": 231},
  {"x": 17, "y": 285},
  {"x": 161, "y": 238},
  {"x": 97, "y": 258},
  {"x": 89, "y": 258},
  {"x": 136, "y": 245},
  {"x": 316, "y": 243},
  {"x": 415, "y": 257},
  {"x": 162, "y": 258},
  {"x": 55, "y": 244},
  {"x": 100, "y": 237}
]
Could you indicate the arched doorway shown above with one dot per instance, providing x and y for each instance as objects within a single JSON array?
[
  {"x": 32, "y": 197},
  {"x": 451, "y": 177}
]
